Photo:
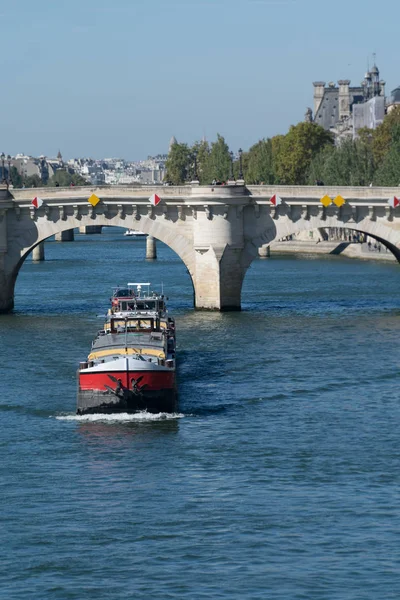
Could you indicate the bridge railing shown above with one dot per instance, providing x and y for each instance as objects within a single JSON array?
[{"x": 259, "y": 194}]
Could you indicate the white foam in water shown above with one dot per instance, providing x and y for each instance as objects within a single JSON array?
[{"x": 121, "y": 417}]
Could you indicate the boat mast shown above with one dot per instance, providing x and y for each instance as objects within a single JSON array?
[
  {"x": 126, "y": 335},
  {"x": 126, "y": 353}
]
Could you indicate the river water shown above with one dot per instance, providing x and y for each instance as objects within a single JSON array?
[{"x": 278, "y": 478}]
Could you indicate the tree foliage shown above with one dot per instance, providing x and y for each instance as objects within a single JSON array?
[
  {"x": 178, "y": 164},
  {"x": 372, "y": 158},
  {"x": 382, "y": 136},
  {"x": 62, "y": 178},
  {"x": 32, "y": 181},
  {"x": 305, "y": 155},
  {"x": 297, "y": 150},
  {"x": 388, "y": 173},
  {"x": 201, "y": 151},
  {"x": 259, "y": 165},
  {"x": 350, "y": 163},
  {"x": 15, "y": 177},
  {"x": 219, "y": 160},
  {"x": 212, "y": 163}
]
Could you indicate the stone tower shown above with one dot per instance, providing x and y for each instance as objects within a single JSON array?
[
  {"x": 172, "y": 142},
  {"x": 344, "y": 98}
]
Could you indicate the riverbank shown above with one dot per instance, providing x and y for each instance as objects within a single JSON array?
[{"x": 349, "y": 249}]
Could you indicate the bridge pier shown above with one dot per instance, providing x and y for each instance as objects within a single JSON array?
[
  {"x": 151, "y": 248},
  {"x": 89, "y": 229},
  {"x": 38, "y": 253},
  {"x": 264, "y": 251},
  {"x": 65, "y": 236},
  {"x": 218, "y": 279},
  {"x": 6, "y": 288}
]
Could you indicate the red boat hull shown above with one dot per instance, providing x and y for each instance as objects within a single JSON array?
[
  {"x": 154, "y": 380},
  {"x": 100, "y": 392}
]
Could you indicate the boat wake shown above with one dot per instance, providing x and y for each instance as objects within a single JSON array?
[{"x": 143, "y": 416}]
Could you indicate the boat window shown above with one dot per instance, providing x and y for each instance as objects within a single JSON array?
[
  {"x": 123, "y": 293},
  {"x": 123, "y": 305},
  {"x": 147, "y": 305}
]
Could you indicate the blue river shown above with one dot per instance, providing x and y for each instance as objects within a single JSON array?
[{"x": 279, "y": 477}]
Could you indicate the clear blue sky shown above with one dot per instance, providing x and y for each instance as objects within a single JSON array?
[{"x": 119, "y": 78}]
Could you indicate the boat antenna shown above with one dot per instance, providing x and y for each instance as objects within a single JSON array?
[{"x": 162, "y": 288}]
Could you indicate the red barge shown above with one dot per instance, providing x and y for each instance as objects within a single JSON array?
[{"x": 131, "y": 366}]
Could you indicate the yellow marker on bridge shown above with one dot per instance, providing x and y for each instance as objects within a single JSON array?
[
  {"x": 339, "y": 201},
  {"x": 326, "y": 201},
  {"x": 94, "y": 199}
]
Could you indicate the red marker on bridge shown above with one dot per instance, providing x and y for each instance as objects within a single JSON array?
[
  {"x": 394, "y": 202},
  {"x": 154, "y": 199},
  {"x": 37, "y": 202},
  {"x": 276, "y": 200}
]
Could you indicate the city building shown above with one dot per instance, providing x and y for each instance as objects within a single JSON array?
[
  {"x": 42, "y": 167},
  {"x": 93, "y": 172},
  {"x": 107, "y": 171},
  {"x": 343, "y": 109},
  {"x": 393, "y": 100}
]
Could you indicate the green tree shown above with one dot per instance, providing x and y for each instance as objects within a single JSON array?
[
  {"x": 259, "y": 163},
  {"x": 364, "y": 168},
  {"x": 276, "y": 144},
  {"x": 297, "y": 150},
  {"x": 15, "y": 177},
  {"x": 349, "y": 163},
  {"x": 388, "y": 173},
  {"x": 202, "y": 152},
  {"x": 219, "y": 160},
  {"x": 382, "y": 136},
  {"x": 32, "y": 181},
  {"x": 178, "y": 164},
  {"x": 318, "y": 166},
  {"x": 339, "y": 165},
  {"x": 62, "y": 178},
  {"x": 78, "y": 180}
]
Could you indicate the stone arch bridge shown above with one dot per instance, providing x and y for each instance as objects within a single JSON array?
[{"x": 217, "y": 231}]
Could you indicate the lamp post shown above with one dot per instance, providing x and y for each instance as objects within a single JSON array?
[
  {"x": 22, "y": 174},
  {"x": 195, "y": 178},
  {"x": 9, "y": 182},
  {"x": 41, "y": 169},
  {"x": 231, "y": 177},
  {"x": 3, "y": 178},
  {"x": 240, "y": 164}
]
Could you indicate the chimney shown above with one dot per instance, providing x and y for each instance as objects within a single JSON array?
[{"x": 319, "y": 90}]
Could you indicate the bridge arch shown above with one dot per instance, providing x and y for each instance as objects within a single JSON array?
[
  {"x": 378, "y": 230},
  {"x": 21, "y": 246}
]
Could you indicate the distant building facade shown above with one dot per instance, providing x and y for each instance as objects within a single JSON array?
[
  {"x": 393, "y": 100},
  {"x": 344, "y": 110},
  {"x": 42, "y": 167}
]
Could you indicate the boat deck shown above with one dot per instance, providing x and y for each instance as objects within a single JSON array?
[{"x": 144, "y": 340}]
